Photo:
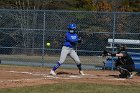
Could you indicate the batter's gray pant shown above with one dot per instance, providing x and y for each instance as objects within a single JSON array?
[{"x": 65, "y": 51}]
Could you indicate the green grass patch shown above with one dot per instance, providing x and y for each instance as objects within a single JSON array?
[{"x": 74, "y": 88}]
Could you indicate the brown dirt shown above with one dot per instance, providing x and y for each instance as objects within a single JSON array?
[{"x": 19, "y": 76}]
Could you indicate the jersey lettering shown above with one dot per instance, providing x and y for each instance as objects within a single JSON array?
[{"x": 73, "y": 37}]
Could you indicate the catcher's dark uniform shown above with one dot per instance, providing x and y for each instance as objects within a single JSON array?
[{"x": 125, "y": 65}]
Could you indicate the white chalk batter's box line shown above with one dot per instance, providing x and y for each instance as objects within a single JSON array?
[
  {"x": 47, "y": 76},
  {"x": 18, "y": 80}
]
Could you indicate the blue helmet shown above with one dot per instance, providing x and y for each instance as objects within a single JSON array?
[{"x": 72, "y": 26}]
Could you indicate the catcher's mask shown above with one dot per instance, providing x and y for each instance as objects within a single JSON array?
[{"x": 121, "y": 48}]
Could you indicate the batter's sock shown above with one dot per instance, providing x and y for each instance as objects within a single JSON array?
[
  {"x": 79, "y": 67},
  {"x": 56, "y": 66}
]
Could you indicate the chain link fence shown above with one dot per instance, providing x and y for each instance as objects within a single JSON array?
[{"x": 24, "y": 34}]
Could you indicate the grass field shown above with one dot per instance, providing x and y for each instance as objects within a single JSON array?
[
  {"x": 74, "y": 88},
  {"x": 53, "y": 59}
]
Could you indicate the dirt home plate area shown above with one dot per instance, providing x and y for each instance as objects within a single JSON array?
[{"x": 19, "y": 76}]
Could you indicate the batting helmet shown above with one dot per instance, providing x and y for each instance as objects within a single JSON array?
[{"x": 72, "y": 26}]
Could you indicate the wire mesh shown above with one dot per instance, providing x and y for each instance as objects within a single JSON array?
[{"x": 24, "y": 34}]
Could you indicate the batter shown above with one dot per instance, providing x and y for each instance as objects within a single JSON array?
[{"x": 71, "y": 39}]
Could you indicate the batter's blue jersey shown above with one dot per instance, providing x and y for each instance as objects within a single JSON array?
[{"x": 71, "y": 40}]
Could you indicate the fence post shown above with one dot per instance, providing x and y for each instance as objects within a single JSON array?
[
  {"x": 114, "y": 30},
  {"x": 43, "y": 48}
]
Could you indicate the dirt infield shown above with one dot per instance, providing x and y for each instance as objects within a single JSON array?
[{"x": 19, "y": 76}]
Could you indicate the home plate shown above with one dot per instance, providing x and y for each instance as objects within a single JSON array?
[
  {"x": 74, "y": 76},
  {"x": 51, "y": 76},
  {"x": 117, "y": 79}
]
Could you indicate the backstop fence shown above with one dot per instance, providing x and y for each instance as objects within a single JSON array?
[{"x": 24, "y": 34}]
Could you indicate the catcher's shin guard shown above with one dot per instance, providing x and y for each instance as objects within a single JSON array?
[{"x": 124, "y": 73}]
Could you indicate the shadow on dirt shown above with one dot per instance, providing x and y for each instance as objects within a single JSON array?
[{"x": 66, "y": 73}]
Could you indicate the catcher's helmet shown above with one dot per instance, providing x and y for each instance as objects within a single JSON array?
[
  {"x": 72, "y": 26},
  {"x": 121, "y": 48}
]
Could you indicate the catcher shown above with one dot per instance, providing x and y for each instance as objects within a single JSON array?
[{"x": 124, "y": 62}]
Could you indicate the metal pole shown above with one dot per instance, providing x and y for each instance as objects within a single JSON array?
[
  {"x": 114, "y": 30},
  {"x": 43, "y": 48}
]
